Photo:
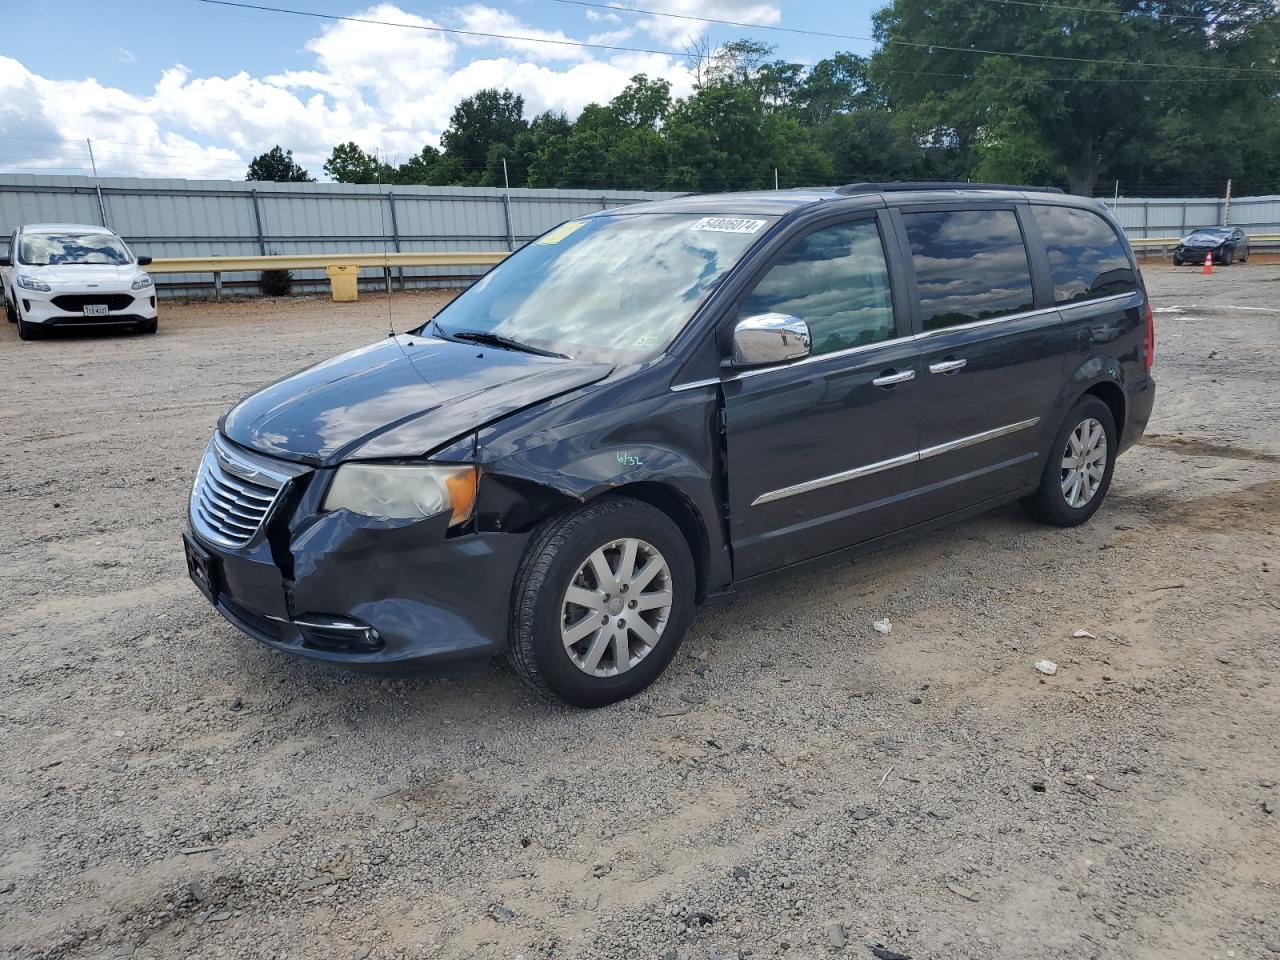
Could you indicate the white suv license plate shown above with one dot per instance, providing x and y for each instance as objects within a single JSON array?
[{"x": 95, "y": 309}]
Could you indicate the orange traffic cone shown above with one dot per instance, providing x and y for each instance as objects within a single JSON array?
[{"x": 1208, "y": 265}]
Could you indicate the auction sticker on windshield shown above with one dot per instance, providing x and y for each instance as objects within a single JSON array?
[
  {"x": 560, "y": 232},
  {"x": 729, "y": 225}
]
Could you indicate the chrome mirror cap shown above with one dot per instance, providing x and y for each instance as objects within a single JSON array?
[{"x": 769, "y": 338}]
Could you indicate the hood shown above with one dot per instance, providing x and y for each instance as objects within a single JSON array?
[
  {"x": 399, "y": 397},
  {"x": 1202, "y": 240},
  {"x": 80, "y": 274}
]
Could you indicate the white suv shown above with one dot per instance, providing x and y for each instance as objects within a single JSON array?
[{"x": 73, "y": 275}]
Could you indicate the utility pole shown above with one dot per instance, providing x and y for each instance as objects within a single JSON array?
[
  {"x": 1226, "y": 207},
  {"x": 506, "y": 183},
  {"x": 775, "y": 178},
  {"x": 97, "y": 187},
  {"x": 1116, "y": 201}
]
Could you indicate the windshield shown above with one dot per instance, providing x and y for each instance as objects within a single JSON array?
[
  {"x": 1212, "y": 233},
  {"x": 615, "y": 288},
  {"x": 49, "y": 249}
]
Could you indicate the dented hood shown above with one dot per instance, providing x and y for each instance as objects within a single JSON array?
[{"x": 400, "y": 397}]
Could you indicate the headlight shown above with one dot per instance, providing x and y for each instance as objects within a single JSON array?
[
  {"x": 141, "y": 282},
  {"x": 31, "y": 283},
  {"x": 408, "y": 492}
]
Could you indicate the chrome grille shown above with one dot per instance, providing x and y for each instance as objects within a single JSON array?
[{"x": 233, "y": 495}]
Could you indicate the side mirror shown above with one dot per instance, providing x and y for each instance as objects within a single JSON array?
[
  {"x": 769, "y": 338},
  {"x": 144, "y": 261}
]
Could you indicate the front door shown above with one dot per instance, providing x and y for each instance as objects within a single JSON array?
[{"x": 821, "y": 451}]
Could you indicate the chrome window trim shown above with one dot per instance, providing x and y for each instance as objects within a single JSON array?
[
  {"x": 916, "y": 337},
  {"x": 988, "y": 322},
  {"x": 819, "y": 357},
  {"x": 900, "y": 461}
]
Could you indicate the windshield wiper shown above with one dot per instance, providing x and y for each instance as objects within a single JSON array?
[{"x": 498, "y": 340}]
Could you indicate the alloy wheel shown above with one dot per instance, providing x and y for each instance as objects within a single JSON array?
[
  {"x": 616, "y": 607},
  {"x": 1084, "y": 462}
]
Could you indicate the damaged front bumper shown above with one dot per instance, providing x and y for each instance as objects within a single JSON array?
[{"x": 354, "y": 590}]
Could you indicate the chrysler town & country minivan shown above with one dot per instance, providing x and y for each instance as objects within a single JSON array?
[{"x": 649, "y": 405}]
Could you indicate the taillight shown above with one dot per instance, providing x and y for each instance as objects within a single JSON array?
[{"x": 1149, "y": 347}]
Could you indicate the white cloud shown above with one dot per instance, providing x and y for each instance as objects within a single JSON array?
[
  {"x": 388, "y": 89},
  {"x": 123, "y": 55},
  {"x": 677, "y": 32}
]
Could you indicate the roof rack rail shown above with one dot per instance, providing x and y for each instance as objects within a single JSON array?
[{"x": 899, "y": 185}]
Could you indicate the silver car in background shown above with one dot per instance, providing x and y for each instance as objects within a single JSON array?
[{"x": 74, "y": 275}]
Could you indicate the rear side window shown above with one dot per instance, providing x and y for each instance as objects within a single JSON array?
[
  {"x": 1086, "y": 257},
  {"x": 836, "y": 280},
  {"x": 970, "y": 265}
]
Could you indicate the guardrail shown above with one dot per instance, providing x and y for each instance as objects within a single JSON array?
[
  {"x": 342, "y": 268},
  {"x": 1163, "y": 244}
]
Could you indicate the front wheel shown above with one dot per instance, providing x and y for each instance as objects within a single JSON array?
[
  {"x": 29, "y": 331},
  {"x": 601, "y": 602},
  {"x": 1076, "y": 478},
  {"x": 149, "y": 326}
]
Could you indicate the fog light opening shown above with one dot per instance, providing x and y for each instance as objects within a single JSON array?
[{"x": 338, "y": 633}]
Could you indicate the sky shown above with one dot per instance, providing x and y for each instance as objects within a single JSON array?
[{"x": 180, "y": 88}]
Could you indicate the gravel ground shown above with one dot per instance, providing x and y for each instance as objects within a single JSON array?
[{"x": 797, "y": 785}]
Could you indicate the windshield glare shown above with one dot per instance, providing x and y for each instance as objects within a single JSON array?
[
  {"x": 615, "y": 288},
  {"x": 1211, "y": 232},
  {"x": 52, "y": 249}
]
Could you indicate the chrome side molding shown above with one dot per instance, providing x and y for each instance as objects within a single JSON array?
[{"x": 901, "y": 461}]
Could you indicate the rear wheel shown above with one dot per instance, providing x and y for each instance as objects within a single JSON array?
[
  {"x": 601, "y": 602},
  {"x": 1076, "y": 478}
]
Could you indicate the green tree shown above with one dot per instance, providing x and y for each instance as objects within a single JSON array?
[
  {"x": 277, "y": 165},
  {"x": 489, "y": 118},
  {"x": 1081, "y": 118},
  {"x": 348, "y": 163}
]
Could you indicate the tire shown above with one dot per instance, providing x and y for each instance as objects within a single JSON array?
[
  {"x": 30, "y": 331},
  {"x": 1228, "y": 257},
  {"x": 150, "y": 326},
  {"x": 1244, "y": 258},
  {"x": 1050, "y": 504},
  {"x": 1177, "y": 261},
  {"x": 10, "y": 314},
  {"x": 560, "y": 556}
]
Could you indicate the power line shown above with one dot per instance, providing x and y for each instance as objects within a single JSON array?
[
  {"x": 433, "y": 29},
  {"x": 1123, "y": 13},
  {"x": 904, "y": 43}
]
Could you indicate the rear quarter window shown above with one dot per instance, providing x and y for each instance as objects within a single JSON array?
[
  {"x": 970, "y": 265},
  {"x": 1086, "y": 256}
]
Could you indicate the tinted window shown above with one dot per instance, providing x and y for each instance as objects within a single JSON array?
[
  {"x": 1085, "y": 255},
  {"x": 970, "y": 265},
  {"x": 837, "y": 281}
]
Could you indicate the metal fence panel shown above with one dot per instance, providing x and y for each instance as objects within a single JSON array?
[{"x": 174, "y": 218}]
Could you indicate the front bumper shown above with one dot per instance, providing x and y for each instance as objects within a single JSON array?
[
  {"x": 361, "y": 593},
  {"x": 124, "y": 306},
  {"x": 1196, "y": 255}
]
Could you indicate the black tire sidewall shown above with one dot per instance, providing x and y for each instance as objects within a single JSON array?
[
  {"x": 1051, "y": 499},
  {"x": 591, "y": 529}
]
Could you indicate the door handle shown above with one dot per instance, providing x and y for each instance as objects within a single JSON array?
[
  {"x": 892, "y": 378},
  {"x": 947, "y": 366}
]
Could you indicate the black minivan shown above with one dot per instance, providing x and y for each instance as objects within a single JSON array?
[{"x": 646, "y": 406}]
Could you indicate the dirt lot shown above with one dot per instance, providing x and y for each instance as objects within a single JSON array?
[{"x": 796, "y": 785}]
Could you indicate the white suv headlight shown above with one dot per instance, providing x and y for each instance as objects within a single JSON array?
[
  {"x": 141, "y": 282},
  {"x": 404, "y": 492},
  {"x": 31, "y": 283}
]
